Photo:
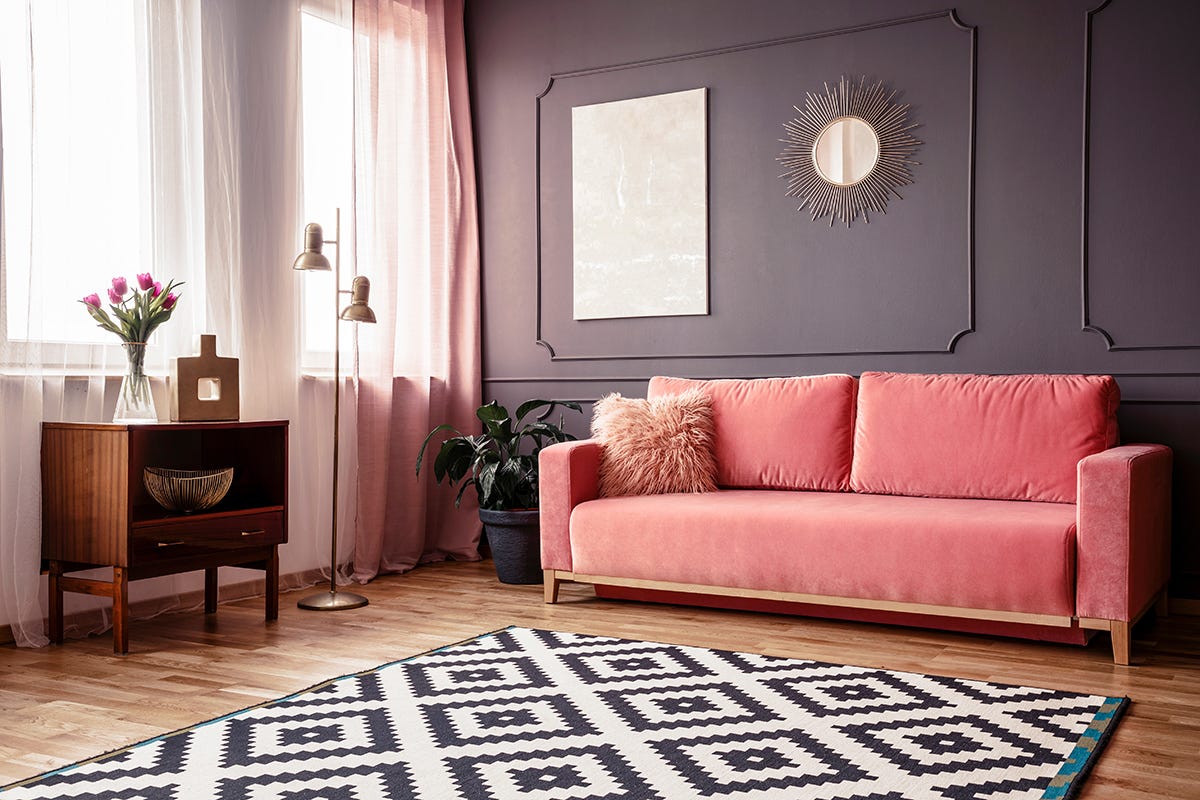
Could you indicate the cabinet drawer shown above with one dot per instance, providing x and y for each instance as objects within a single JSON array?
[{"x": 184, "y": 537}]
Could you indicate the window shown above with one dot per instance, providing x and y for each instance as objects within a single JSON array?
[
  {"x": 327, "y": 81},
  {"x": 100, "y": 127},
  {"x": 82, "y": 129}
]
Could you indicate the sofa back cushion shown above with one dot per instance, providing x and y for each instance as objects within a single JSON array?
[
  {"x": 778, "y": 433},
  {"x": 1002, "y": 437}
]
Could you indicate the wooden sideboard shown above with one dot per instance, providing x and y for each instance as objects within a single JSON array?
[{"x": 96, "y": 511}]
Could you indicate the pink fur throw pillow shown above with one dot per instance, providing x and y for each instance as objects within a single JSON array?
[{"x": 655, "y": 446}]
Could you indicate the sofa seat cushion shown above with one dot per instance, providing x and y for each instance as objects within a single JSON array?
[
  {"x": 778, "y": 433},
  {"x": 983, "y": 554},
  {"x": 1002, "y": 437}
]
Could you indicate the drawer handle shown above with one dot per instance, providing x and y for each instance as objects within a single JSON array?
[
  {"x": 170, "y": 544},
  {"x": 253, "y": 533}
]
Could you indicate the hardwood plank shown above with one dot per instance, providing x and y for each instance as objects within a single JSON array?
[{"x": 63, "y": 704}]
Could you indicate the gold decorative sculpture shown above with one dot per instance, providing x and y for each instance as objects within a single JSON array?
[{"x": 204, "y": 388}]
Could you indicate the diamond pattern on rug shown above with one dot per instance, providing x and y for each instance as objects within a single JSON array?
[
  {"x": 626, "y": 664},
  {"x": 457, "y": 676},
  {"x": 543, "y": 715},
  {"x": 752, "y": 764},
  {"x": 496, "y": 721},
  {"x": 598, "y": 772},
  {"x": 340, "y": 733},
  {"x": 664, "y": 707},
  {"x": 854, "y": 693},
  {"x": 949, "y": 744}
]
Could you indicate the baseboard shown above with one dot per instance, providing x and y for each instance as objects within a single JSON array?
[{"x": 194, "y": 600}]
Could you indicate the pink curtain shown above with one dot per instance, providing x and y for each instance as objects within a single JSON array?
[{"x": 417, "y": 239}]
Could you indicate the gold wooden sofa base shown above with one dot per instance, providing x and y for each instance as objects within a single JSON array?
[{"x": 1119, "y": 630}]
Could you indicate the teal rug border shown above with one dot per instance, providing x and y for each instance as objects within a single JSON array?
[
  {"x": 1063, "y": 786},
  {"x": 1069, "y": 780}
]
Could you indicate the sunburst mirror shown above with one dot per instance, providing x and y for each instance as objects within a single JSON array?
[{"x": 848, "y": 151}]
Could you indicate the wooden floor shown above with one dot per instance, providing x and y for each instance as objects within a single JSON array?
[{"x": 63, "y": 704}]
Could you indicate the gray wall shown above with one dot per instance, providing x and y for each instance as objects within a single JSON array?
[{"x": 995, "y": 261}]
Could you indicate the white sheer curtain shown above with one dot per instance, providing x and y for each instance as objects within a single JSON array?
[
  {"x": 77, "y": 211},
  {"x": 252, "y": 192},
  {"x": 209, "y": 96}
]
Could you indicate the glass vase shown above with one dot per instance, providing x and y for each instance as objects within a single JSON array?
[{"x": 135, "y": 403}]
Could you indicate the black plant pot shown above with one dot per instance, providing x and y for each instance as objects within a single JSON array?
[{"x": 515, "y": 539}]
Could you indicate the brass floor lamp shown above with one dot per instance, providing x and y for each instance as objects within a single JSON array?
[{"x": 358, "y": 311}]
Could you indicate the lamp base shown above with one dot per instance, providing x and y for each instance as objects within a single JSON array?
[{"x": 332, "y": 601}]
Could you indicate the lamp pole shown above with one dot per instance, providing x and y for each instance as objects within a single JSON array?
[{"x": 333, "y": 600}]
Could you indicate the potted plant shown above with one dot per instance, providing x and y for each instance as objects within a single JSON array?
[{"x": 502, "y": 464}]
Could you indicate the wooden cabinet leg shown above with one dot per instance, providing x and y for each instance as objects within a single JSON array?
[
  {"x": 56, "y": 604},
  {"x": 550, "y": 584},
  {"x": 120, "y": 597},
  {"x": 210, "y": 590},
  {"x": 1120, "y": 642},
  {"x": 272, "y": 574}
]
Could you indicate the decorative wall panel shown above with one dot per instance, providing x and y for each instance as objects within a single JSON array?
[
  {"x": 1140, "y": 290},
  {"x": 825, "y": 291}
]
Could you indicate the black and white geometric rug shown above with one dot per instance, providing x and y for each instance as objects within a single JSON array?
[{"x": 539, "y": 715}]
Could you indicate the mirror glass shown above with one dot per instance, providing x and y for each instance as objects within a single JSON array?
[{"x": 846, "y": 151}]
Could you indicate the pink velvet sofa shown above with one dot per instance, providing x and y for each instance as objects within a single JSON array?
[{"x": 996, "y": 504}]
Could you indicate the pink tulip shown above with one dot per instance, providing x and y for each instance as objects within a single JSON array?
[
  {"x": 92, "y": 300},
  {"x": 145, "y": 281},
  {"x": 115, "y": 297},
  {"x": 120, "y": 286},
  {"x": 157, "y": 289},
  {"x": 169, "y": 303}
]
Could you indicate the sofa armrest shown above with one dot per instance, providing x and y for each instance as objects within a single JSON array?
[
  {"x": 568, "y": 474},
  {"x": 1123, "y": 521}
]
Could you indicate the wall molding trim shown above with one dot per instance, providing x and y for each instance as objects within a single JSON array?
[
  {"x": 949, "y": 14},
  {"x": 1088, "y": 324},
  {"x": 634, "y": 378},
  {"x": 642, "y": 379}
]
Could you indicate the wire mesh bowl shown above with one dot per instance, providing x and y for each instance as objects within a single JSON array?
[{"x": 187, "y": 490}]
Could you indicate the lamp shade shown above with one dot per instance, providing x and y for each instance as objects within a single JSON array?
[
  {"x": 312, "y": 257},
  {"x": 358, "y": 310}
]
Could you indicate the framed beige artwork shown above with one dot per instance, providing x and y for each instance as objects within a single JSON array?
[{"x": 639, "y": 190}]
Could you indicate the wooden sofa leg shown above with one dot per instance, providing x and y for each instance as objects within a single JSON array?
[
  {"x": 1120, "y": 642},
  {"x": 550, "y": 585},
  {"x": 1162, "y": 606}
]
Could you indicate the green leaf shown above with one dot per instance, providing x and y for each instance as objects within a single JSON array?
[
  {"x": 101, "y": 317},
  {"x": 425, "y": 443},
  {"x": 482, "y": 444},
  {"x": 501, "y": 431},
  {"x": 492, "y": 412},
  {"x": 486, "y": 481},
  {"x": 122, "y": 315},
  {"x": 453, "y": 459},
  {"x": 531, "y": 405},
  {"x": 461, "y": 490},
  {"x": 156, "y": 321},
  {"x": 508, "y": 479}
]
